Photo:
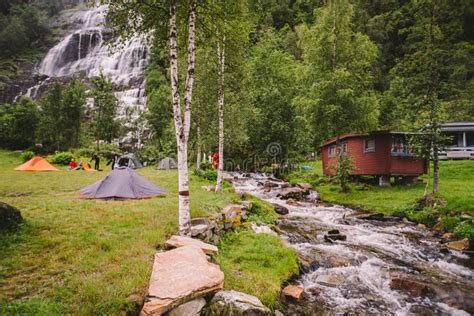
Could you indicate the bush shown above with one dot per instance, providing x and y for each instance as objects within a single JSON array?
[
  {"x": 465, "y": 230},
  {"x": 262, "y": 212},
  {"x": 26, "y": 155},
  {"x": 450, "y": 223},
  {"x": 83, "y": 152},
  {"x": 208, "y": 174},
  {"x": 62, "y": 158}
]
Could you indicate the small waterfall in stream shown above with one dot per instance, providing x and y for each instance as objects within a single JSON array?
[
  {"x": 382, "y": 268},
  {"x": 91, "y": 48}
]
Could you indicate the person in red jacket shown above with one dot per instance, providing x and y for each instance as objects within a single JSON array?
[
  {"x": 215, "y": 161},
  {"x": 72, "y": 164}
]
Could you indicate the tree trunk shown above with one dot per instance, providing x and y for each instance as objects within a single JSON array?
[
  {"x": 220, "y": 169},
  {"x": 198, "y": 136},
  {"x": 435, "y": 170},
  {"x": 182, "y": 128}
]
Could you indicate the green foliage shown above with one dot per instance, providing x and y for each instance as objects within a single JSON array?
[
  {"x": 104, "y": 122},
  {"x": 339, "y": 95},
  {"x": 256, "y": 264},
  {"x": 18, "y": 123},
  {"x": 450, "y": 222},
  {"x": 208, "y": 174},
  {"x": 465, "y": 230},
  {"x": 26, "y": 155},
  {"x": 262, "y": 212},
  {"x": 61, "y": 113},
  {"x": 62, "y": 158}
]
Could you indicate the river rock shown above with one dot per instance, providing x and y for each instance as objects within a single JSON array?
[
  {"x": 292, "y": 202},
  {"x": 279, "y": 209},
  {"x": 181, "y": 241},
  {"x": 293, "y": 292},
  {"x": 408, "y": 286},
  {"x": 293, "y": 193},
  {"x": 191, "y": 308},
  {"x": 334, "y": 235},
  {"x": 459, "y": 245},
  {"x": 305, "y": 186},
  {"x": 236, "y": 303},
  {"x": 10, "y": 217},
  {"x": 447, "y": 236},
  {"x": 439, "y": 228},
  {"x": 178, "y": 276},
  {"x": 329, "y": 280},
  {"x": 262, "y": 229},
  {"x": 421, "y": 226}
]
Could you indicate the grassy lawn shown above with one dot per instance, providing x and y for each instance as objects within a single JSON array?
[
  {"x": 256, "y": 264},
  {"x": 456, "y": 187},
  {"x": 79, "y": 256}
]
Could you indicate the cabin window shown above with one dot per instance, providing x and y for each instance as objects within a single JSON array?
[
  {"x": 369, "y": 145},
  {"x": 332, "y": 151},
  {"x": 400, "y": 146},
  {"x": 344, "y": 148}
]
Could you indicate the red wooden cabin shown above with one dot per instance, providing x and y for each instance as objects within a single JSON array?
[{"x": 381, "y": 153}]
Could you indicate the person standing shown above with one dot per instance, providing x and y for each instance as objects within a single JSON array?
[
  {"x": 112, "y": 161},
  {"x": 96, "y": 160},
  {"x": 215, "y": 160}
]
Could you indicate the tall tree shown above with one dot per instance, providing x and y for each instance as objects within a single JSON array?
[
  {"x": 340, "y": 97},
  {"x": 433, "y": 73},
  {"x": 51, "y": 112},
  {"x": 130, "y": 17},
  {"x": 104, "y": 109},
  {"x": 73, "y": 104}
]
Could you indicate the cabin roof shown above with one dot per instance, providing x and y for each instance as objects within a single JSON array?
[
  {"x": 354, "y": 135},
  {"x": 458, "y": 127}
]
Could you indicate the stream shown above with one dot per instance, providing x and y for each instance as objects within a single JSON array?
[{"x": 388, "y": 266}]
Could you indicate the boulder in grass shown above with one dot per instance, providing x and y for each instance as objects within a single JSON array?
[
  {"x": 236, "y": 303},
  {"x": 181, "y": 241},
  {"x": 179, "y": 276},
  {"x": 191, "y": 308},
  {"x": 10, "y": 217}
]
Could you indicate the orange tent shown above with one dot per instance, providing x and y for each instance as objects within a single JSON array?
[{"x": 36, "y": 164}]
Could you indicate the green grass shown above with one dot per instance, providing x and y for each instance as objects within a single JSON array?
[
  {"x": 79, "y": 256},
  {"x": 256, "y": 264},
  {"x": 456, "y": 187}
]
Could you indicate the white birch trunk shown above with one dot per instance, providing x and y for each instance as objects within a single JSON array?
[
  {"x": 198, "y": 135},
  {"x": 182, "y": 128},
  {"x": 220, "y": 169}
]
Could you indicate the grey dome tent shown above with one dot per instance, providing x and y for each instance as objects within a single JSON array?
[
  {"x": 129, "y": 160},
  {"x": 167, "y": 163},
  {"x": 122, "y": 183}
]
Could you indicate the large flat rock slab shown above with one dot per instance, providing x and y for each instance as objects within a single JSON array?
[
  {"x": 181, "y": 241},
  {"x": 178, "y": 276}
]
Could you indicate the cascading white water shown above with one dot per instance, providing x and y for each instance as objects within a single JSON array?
[
  {"x": 368, "y": 264},
  {"x": 91, "y": 49}
]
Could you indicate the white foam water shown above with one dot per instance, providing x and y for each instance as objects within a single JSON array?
[{"x": 373, "y": 255}]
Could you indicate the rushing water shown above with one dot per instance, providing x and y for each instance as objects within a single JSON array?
[
  {"x": 389, "y": 267},
  {"x": 91, "y": 48}
]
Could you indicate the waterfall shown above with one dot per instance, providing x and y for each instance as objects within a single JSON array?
[{"x": 91, "y": 48}]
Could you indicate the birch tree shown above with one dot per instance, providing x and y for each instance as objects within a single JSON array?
[{"x": 132, "y": 17}]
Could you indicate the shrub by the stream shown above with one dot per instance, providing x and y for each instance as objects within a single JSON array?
[
  {"x": 26, "y": 155},
  {"x": 450, "y": 223},
  {"x": 62, "y": 158},
  {"x": 208, "y": 174},
  {"x": 465, "y": 230},
  {"x": 262, "y": 212}
]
